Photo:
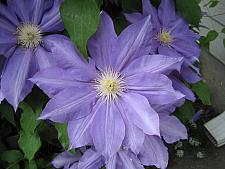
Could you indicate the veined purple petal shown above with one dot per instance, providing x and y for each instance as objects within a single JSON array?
[
  {"x": 101, "y": 44},
  {"x": 65, "y": 159},
  {"x": 7, "y": 26},
  {"x": 53, "y": 80},
  {"x": 8, "y": 41},
  {"x": 79, "y": 130},
  {"x": 140, "y": 112},
  {"x": 91, "y": 160},
  {"x": 133, "y": 42},
  {"x": 153, "y": 64},
  {"x": 108, "y": 130},
  {"x": 14, "y": 83},
  {"x": 171, "y": 128},
  {"x": 51, "y": 20},
  {"x": 157, "y": 88},
  {"x": 44, "y": 58},
  {"x": 21, "y": 8},
  {"x": 154, "y": 152},
  {"x": 134, "y": 136},
  {"x": 67, "y": 56},
  {"x": 166, "y": 12},
  {"x": 6, "y": 12},
  {"x": 69, "y": 104}
]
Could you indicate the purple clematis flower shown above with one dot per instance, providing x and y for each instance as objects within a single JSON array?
[
  {"x": 89, "y": 160},
  {"x": 172, "y": 37},
  {"x": 24, "y": 26},
  {"x": 107, "y": 101}
]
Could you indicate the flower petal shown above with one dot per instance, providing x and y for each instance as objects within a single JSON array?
[
  {"x": 69, "y": 104},
  {"x": 143, "y": 116},
  {"x": 157, "y": 88},
  {"x": 153, "y": 64},
  {"x": 8, "y": 41},
  {"x": 91, "y": 160},
  {"x": 133, "y": 42},
  {"x": 178, "y": 85},
  {"x": 51, "y": 83},
  {"x": 14, "y": 83},
  {"x": 172, "y": 129},
  {"x": 101, "y": 44},
  {"x": 79, "y": 130},
  {"x": 51, "y": 20},
  {"x": 65, "y": 159},
  {"x": 134, "y": 137},
  {"x": 154, "y": 152},
  {"x": 108, "y": 130},
  {"x": 189, "y": 75},
  {"x": 21, "y": 8},
  {"x": 6, "y": 12},
  {"x": 166, "y": 12},
  {"x": 134, "y": 17}
]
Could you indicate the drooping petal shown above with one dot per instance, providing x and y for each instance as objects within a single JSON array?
[
  {"x": 157, "y": 88},
  {"x": 91, "y": 160},
  {"x": 171, "y": 128},
  {"x": 134, "y": 17},
  {"x": 178, "y": 85},
  {"x": 154, "y": 152},
  {"x": 14, "y": 83},
  {"x": 101, "y": 44},
  {"x": 53, "y": 80},
  {"x": 134, "y": 136},
  {"x": 65, "y": 159},
  {"x": 189, "y": 75},
  {"x": 153, "y": 64},
  {"x": 108, "y": 130},
  {"x": 79, "y": 130},
  {"x": 140, "y": 112},
  {"x": 133, "y": 42},
  {"x": 69, "y": 104},
  {"x": 51, "y": 20},
  {"x": 166, "y": 12}
]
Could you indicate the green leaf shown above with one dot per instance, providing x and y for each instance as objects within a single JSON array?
[
  {"x": 41, "y": 163},
  {"x": 80, "y": 18},
  {"x": 99, "y": 3},
  {"x": 30, "y": 165},
  {"x": 212, "y": 35},
  {"x": 204, "y": 42},
  {"x": 224, "y": 43},
  {"x": 186, "y": 112},
  {"x": 190, "y": 10},
  {"x": 203, "y": 92},
  {"x": 29, "y": 143},
  {"x": 223, "y": 30},
  {"x": 120, "y": 23},
  {"x": 28, "y": 120},
  {"x": 7, "y": 112},
  {"x": 62, "y": 134},
  {"x": 11, "y": 156}
]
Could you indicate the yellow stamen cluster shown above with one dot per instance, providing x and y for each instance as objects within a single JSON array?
[
  {"x": 164, "y": 37},
  {"x": 110, "y": 85},
  {"x": 28, "y": 35}
]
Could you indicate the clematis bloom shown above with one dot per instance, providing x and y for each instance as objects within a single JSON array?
[
  {"x": 172, "y": 37},
  {"x": 24, "y": 26},
  {"x": 107, "y": 101}
]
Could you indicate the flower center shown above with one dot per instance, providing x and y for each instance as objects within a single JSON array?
[
  {"x": 110, "y": 84},
  {"x": 164, "y": 37},
  {"x": 28, "y": 35}
]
